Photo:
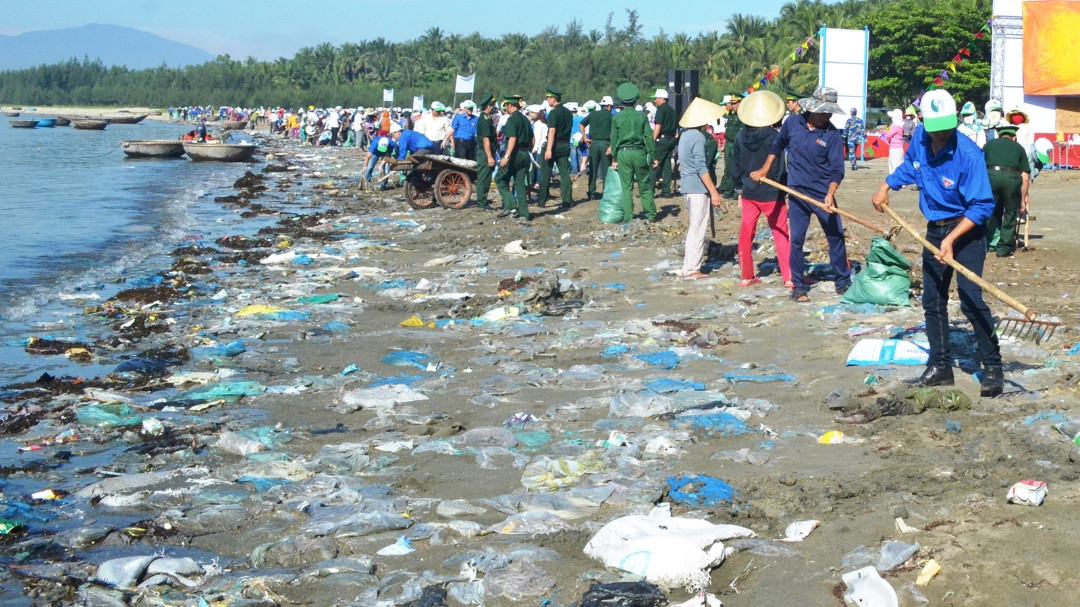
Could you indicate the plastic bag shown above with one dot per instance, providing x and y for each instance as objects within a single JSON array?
[
  {"x": 884, "y": 280},
  {"x": 611, "y": 210}
]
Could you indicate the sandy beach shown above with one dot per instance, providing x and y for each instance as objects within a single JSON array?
[{"x": 361, "y": 291}]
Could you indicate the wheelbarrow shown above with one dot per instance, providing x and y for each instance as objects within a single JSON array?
[{"x": 431, "y": 180}]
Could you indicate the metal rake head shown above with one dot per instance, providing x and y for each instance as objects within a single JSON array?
[{"x": 1018, "y": 328}]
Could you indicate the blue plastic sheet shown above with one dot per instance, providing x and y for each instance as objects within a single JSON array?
[
  {"x": 725, "y": 424},
  {"x": 409, "y": 358},
  {"x": 699, "y": 490},
  {"x": 235, "y": 348},
  {"x": 261, "y": 483},
  {"x": 667, "y": 385},
  {"x": 405, "y": 380},
  {"x": 758, "y": 379},
  {"x": 337, "y": 328},
  {"x": 615, "y": 351},
  {"x": 665, "y": 359}
]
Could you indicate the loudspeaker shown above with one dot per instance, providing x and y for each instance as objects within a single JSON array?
[{"x": 683, "y": 87}]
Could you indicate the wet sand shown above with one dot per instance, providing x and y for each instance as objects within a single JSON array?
[{"x": 950, "y": 487}]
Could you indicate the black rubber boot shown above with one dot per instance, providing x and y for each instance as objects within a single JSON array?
[
  {"x": 934, "y": 376},
  {"x": 992, "y": 382}
]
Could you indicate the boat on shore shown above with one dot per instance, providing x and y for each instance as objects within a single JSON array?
[
  {"x": 23, "y": 124},
  {"x": 125, "y": 118},
  {"x": 61, "y": 121},
  {"x": 46, "y": 123},
  {"x": 89, "y": 125},
  {"x": 233, "y": 125},
  {"x": 11, "y": 114},
  {"x": 219, "y": 152},
  {"x": 153, "y": 148}
]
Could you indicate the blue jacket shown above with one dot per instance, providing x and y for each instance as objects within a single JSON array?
[
  {"x": 410, "y": 142},
  {"x": 815, "y": 157},
  {"x": 951, "y": 184},
  {"x": 464, "y": 126}
]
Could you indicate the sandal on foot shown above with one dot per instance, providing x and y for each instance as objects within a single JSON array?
[
  {"x": 695, "y": 275},
  {"x": 746, "y": 282},
  {"x": 800, "y": 296}
]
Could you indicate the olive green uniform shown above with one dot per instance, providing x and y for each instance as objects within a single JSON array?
[
  {"x": 1006, "y": 160},
  {"x": 665, "y": 147},
  {"x": 599, "y": 123},
  {"x": 485, "y": 129},
  {"x": 710, "y": 155},
  {"x": 632, "y": 148},
  {"x": 517, "y": 165},
  {"x": 727, "y": 182},
  {"x": 560, "y": 119}
]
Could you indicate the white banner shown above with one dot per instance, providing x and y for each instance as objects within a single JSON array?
[
  {"x": 465, "y": 84},
  {"x": 388, "y": 95},
  {"x": 843, "y": 66},
  {"x": 418, "y": 103}
]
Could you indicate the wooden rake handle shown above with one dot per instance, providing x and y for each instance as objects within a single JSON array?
[
  {"x": 972, "y": 276},
  {"x": 820, "y": 204}
]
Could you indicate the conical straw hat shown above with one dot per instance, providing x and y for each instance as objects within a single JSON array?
[
  {"x": 761, "y": 108},
  {"x": 700, "y": 113}
]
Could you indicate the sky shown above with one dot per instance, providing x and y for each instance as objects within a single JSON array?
[{"x": 268, "y": 29}]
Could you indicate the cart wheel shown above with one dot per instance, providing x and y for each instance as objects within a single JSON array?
[
  {"x": 453, "y": 189},
  {"x": 419, "y": 190}
]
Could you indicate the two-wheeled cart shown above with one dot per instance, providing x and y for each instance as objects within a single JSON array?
[{"x": 431, "y": 180}]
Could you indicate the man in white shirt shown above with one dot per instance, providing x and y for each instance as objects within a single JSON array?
[
  {"x": 436, "y": 127},
  {"x": 333, "y": 122}
]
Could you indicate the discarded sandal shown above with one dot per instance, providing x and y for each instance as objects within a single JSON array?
[{"x": 746, "y": 282}]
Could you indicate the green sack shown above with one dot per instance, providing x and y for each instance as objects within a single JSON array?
[
  {"x": 884, "y": 281},
  {"x": 611, "y": 204}
]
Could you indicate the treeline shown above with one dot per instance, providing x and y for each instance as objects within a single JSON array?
[{"x": 911, "y": 42}]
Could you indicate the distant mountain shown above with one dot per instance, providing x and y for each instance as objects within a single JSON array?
[{"x": 113, "y": 44}]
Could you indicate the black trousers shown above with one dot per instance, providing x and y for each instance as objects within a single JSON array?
[{"x": 465, "y": 148}]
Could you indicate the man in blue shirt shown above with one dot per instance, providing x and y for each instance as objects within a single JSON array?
[
  {"x": 463, "y": 130},
  {"x": 815, "y": 168},
  {"x": 410, "y": 142},
  {"x": 955, "y": 197},
  {"x": 854, "y": 134},
  {"x": 381, "y": 148}
]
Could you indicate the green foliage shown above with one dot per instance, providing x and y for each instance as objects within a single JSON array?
[{"x": 911, "y": 42}]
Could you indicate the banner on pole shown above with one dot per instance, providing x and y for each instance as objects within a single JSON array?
[
  {"x": 418, "y": 103},
  {"x": 388, "y": 95},
  {"x": 465, "y": 84},
  {"x": 842, "y": 65}
]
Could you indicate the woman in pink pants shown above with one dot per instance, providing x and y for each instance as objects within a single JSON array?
[{"x": 761, "y": 112}]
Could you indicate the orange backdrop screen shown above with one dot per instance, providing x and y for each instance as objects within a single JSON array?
[{"x": 1051, "y": 58}]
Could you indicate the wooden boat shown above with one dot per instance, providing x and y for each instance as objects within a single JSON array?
[
  {"x": 219, "y": 152},
  {"x": 124, "y": 118},
  {"x": 11, "y": 114},
  {"x": 153, "y": 148},
  {"x": 233, "y": 125},
  {"x": 61, "y": 121},
  {"x": 46, "y": 123},
  {"x": 23, "y": 124},
  {"x": 86, "y": 124}
]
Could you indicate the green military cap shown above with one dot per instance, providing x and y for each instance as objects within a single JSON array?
[
  {"x": 792, "y": 96},
  {"x": 512, "y": 98},
  {"x": 486, "y": 100},
  {"x": 553, "y": 92},
  {"x": 627, "y": 93},
  {"x": 735, "y": 97}
]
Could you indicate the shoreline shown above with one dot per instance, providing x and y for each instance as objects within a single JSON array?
[{"x": 368, "y": 262}]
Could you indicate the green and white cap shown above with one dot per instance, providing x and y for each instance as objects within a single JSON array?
[
  {"x": 938, "y": 111},
  {"x": 383, "y": 145}
]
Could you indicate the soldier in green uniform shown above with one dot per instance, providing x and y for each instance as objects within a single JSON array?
[
  {"x": 515, "y": 163},
  {"x": 560, "y": 123},
  {"x": 1010, "y": 176},
  {"x": 632, "y": 151},
  {"x": 711, "y": 147},
  {"x": 486, "y": 146},
  {"x": 599, "y": 139},
  {"x": 734, "y": 125},
  {"x": 666, "y": 134}
]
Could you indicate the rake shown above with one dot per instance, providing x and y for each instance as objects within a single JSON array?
[
  {"x": 1030, "y": 326},
  {"x": 888, "y": 234}
]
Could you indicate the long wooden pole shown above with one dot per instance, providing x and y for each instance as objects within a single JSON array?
[
  {"x": 820, "y": 204},
  {"x": 972, "y": 276}
]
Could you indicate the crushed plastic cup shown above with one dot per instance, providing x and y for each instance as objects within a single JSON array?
[{"x": 832, "y": 437}]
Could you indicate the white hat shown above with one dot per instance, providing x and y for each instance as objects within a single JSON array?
[
  {"x": 938, "y": 110},
  {"x": 660, "y": 94},
  {"x": 437, "y": 106},
  {"x": 467, "y": 104},
  {"x": 606, "y": 100},
  {"x": 395, "y": 128},
  {"x": 534, "y": 109},
  {"x": 590, "y": 105},
  {"x": 571, "y": 105}
]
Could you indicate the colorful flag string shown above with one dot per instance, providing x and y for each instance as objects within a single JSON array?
[
  {"x": 958, "y": 58},
  {"x": 800, "y": 52}
]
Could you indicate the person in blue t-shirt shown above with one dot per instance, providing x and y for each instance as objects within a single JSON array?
[
  {"x": 815, "y": 168},
  {"x": 463, "y": 130},
  {"x": 381, "y": 149},
  {"x": 956, "y": 198},
  {"x": 410, "y": 142}
]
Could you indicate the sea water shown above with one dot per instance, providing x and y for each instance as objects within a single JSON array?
[{"x": 78, "y": 220}]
